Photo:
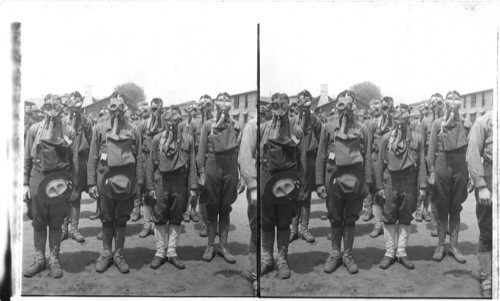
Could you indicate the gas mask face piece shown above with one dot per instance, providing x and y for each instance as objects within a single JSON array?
[
  {"x": 375, "y": 108},
  {"x": 345, "y": 106},
  {"x": 279, "y": 109},
  {"x": 74, "y": 104},
  {"x": 401, "y": 117}
]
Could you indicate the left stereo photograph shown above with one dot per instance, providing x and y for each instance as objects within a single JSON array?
[{"x": 139, "y": 176}]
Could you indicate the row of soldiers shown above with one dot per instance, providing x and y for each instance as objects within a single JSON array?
[
  {"x": 395, "y": 166},
  {"x": 164, "y": 164}
]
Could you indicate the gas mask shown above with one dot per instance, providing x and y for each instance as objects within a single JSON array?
[
  {"x": 192, "y": 111},
  {"x": 206, "y": 108},
  {"x": 172, "y": 118},
  {"x": 345, "y": 107},
  {"x": 452, "y": 112},
  {"x": 304, "y": 107},
  {"x": 74, "y": 106},
  {"x": 437, "y": 107},
  {"x": 375, "y": 108},
  {"x": 155, "y": 122},
  {"x": 53, "y": 115},
  {"x": 223, "y": 106},
  {"x": 117, "y": 108},
  {"x": 401, "y": 118}
]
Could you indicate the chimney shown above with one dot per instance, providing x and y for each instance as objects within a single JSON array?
[
  {"x": 88, "y": 94},
  {"x": 323, "y": 97}
]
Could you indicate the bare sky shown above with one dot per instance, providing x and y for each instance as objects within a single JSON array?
[
  {"x": 175, "y": 51},
  {"x": 410, "y": 50}
]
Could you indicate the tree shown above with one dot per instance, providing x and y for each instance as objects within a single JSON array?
[
  {"x": 366, "y": 91},
  {"x": 132, "y": 91}
]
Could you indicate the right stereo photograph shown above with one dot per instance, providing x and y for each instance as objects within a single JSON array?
[{"x": 376, "y": 152}]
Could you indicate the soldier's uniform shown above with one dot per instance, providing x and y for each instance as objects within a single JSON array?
[
  {"x": 172, "y": 162},
  {"x": 480, "y": 163},
  {"x": 311, "y": 129},
  {"x": 401, "y": 157},
  {"x": 446, "y": 160},
  {"x": 114, "y": 145},
  {"x": 279, "y": 154},
  {"x": 343, "y": 164},
  {"x": 47, "y": 152},
  {"x": 217, "y": 163},
  {"x": 83, "y": 135}
]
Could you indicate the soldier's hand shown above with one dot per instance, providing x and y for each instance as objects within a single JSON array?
[
  {"x": 381, "y": 193},
  {"x": 74, "y": 196},
  {"x": 241, "y": 185},
  {"x": 26, "y": 193},
  {"x": 201, "y": 179},
  {"x": 253, "y": 196},
  {"x": 305, "y": 195},
  {"x": 431, "y": 179},
  {"x": 484, "y": 196},
  {"x": 321, "y": 191},
  {"x": 93, "y": 192},
  {"x": 152, "y": 194}
]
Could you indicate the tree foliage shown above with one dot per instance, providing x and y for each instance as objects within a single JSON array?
[
  {"x": 366, "y": 91},
  {"x": 132, "y": 91}
]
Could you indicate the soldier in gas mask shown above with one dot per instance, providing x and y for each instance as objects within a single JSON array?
[
  {"x": 378, "y": 126},
  {"x": 83, "y": 134},
  {"x": 281, "y": 176},
  {"x": 401, "y": 158},
  {"x": 195, "y": 127},
  {"x": 148, "y": 128},
  {"x": 480, "y": 163},
  {"x": 192, "y": 206},
  {"x": 343, "y": 170},
  {"x": 449, "y": 174},
  {"x": 48, "y": 183},
  {"x": 218, "y": 168},
  {"x": 173, "y": 157},
  {"x": 113, "y": 173},
  {"x": 311, "y": 129}
]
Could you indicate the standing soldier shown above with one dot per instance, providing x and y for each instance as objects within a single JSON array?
[
  {"x": 48, "y": 184},
  {"x": 281, "y": 175},
  {"x": 448, "y": 173},
  {"x": 113, "y": 171},
  {"x": 481, "y": 147},
  {"x": 192, "y": 206},
  {"x": 401, "y": 157},
  {"x": 147, "y": 129},
  {"x": 205, "y": 107},
  {"x": 218, "y": 167},
  {"x": 343, "y": 168},
  {"x": 311, "y": 129},
  {"x": 173, "y": 156},
  {"x": 247, "y": 160},
  {"x": 83, "y": 134},
  {"x": 378, "y": 126}
]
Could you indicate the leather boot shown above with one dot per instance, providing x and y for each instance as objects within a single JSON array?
[
  {"x": 252, "y": 256},
  {"x": 173, "y": 240},
  {"x": 485, "y": 266},
  {"x": 350, "y": 264},
  {"x": 106, "y": 258},
  {"x": 282, "y": 262},
  {"x": 377, "y": 228},
  {"x": 148, "y": 226},
  {"x": 161, "y": 244},
  {"x": 294, "y": 227},
  {"x": 426, "y": 215},
  {"x": 267, "y": 261},
  {"x": 441, "y": 248},
  {"x": 55, "y": 246},
  {"x": 453, "y": 248},
  {"x": 39, "y": 263},
  {"x": 223, "y": 234},
  {"x": 97, "y": 212},
  {"x": 119, "y": 260},
  {"x": 304, "y": 232},
  {"x": 209, "y": 253},
  {"x": 418, "y": 213},
  {"x": 335, "y": 259},
  {"x": 64, "y": 227},
  {"x": 75, "y": 218}
]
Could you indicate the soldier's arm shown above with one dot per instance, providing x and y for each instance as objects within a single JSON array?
[
  {"x": 247, "y": 153},
  {"x": 431, "y": 155},
  {"x": 200, "y": 160},
  {"x": 474, "y": 150},
  {"x": 422, "y": 167},
  {"x": 368, "y": 164},
  {"x": 193, "y": 174},
  {"x": 139, "y": 163},
  {"x": 382, "y": 157},
  {"x": 150, "y": 166},
  {"x": 93, "y": 157},
  {"x": 28, "y": 160},
  {"x": 321, "y": 157}
]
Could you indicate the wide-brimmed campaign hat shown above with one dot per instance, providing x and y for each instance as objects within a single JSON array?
[
  {"x": 119, "y": 183},
  {"x": 283, "y": 187},
  {"x": 348, "y": 182},
  {"x": 55, "y": 187}
]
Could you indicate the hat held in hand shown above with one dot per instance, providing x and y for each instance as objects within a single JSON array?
[
  {"x": 283, "y": 187},
  {"x": 55, "y": 187},
  {"x": 119, "y": 183}
]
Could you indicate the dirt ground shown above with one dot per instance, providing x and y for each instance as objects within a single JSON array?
[
  {"x": 216, "y": 278},
  {"x": 429, "y": 279}
]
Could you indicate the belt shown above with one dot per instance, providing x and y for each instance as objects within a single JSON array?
[
  {"x": 176, "y": 173},
  {"x": 458, "y": 151},
  {"x": 403, "y": 172}
]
